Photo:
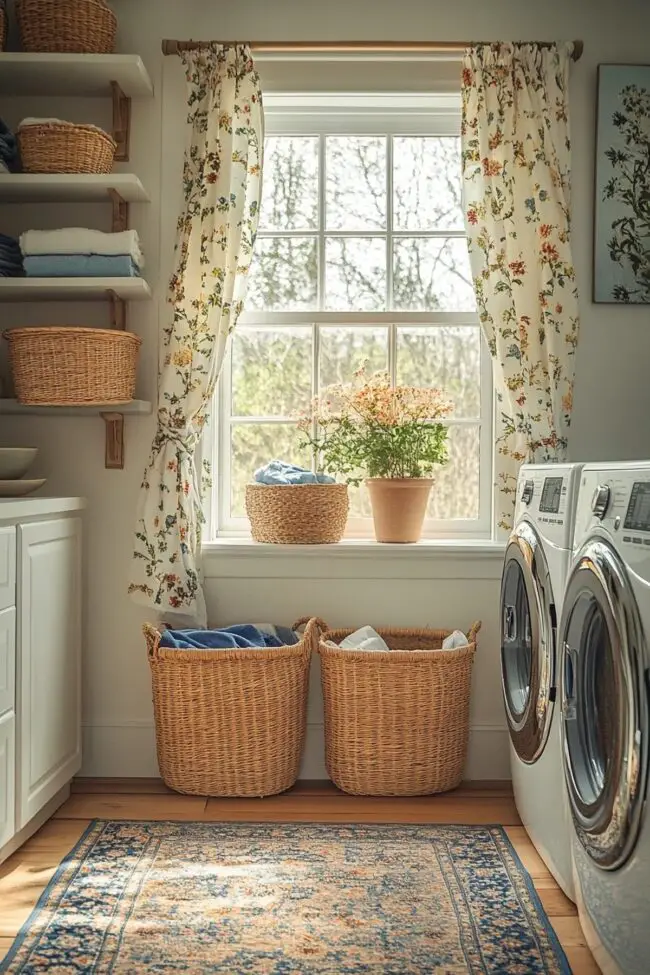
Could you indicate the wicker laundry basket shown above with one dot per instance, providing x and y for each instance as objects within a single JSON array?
[
  {"x": 297, "y": 514},
  {"x": 70, "y": 366},
  {"x": 66, "y": 26},
  {"x": 397, "y": 723},
  {"x": 65, "y": 148},
  {"x": 231, "y": 722}
]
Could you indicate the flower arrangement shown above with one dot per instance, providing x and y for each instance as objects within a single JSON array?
[{"x": 373, "y": 429}]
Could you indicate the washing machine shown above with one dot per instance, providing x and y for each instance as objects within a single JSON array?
[
  {"x": 604, "y": 690},
  {"x": 536, "y": 564}
]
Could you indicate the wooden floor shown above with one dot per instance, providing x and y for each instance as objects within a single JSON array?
[{"x": 24, "y": 875}]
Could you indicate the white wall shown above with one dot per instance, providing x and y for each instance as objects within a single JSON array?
[{"x": 612, "y": 391}]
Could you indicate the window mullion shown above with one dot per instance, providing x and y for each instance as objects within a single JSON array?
[
  {"x": 389, "y": 222},
  {"x": 322, "y": 189},
  {"x": 315, "y": 382}
]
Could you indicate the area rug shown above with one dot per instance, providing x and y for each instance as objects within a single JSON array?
[{"x": 275, "y": 899}]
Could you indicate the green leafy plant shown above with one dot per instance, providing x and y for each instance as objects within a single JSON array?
[{"x": 370, "y": 428}]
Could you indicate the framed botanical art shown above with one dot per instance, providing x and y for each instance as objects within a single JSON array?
[{"x": 622, "y": 206}]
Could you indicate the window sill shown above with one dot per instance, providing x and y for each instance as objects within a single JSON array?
[{"x": 352, "y": 558}]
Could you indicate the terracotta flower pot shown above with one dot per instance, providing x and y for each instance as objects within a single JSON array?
[{"x": 398, "y": 507}]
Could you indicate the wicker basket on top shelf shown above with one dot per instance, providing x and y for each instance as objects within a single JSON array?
[
  {"x": 70, "y": 366},
  {"x": 3, "y": 27},
  {"x": 66, "y": 26},
  {"x": 65, "y": 147}
]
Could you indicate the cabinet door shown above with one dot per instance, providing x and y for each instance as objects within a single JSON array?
[
  {"x": 49, "y": 664},
  {"x": 7, "y": 660},
  {"x": 7, "y": 778}
]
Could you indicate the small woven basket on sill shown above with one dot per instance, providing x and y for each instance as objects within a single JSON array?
[
  {"x": 231, "y": 722},
  {"x": 297, "y": 514},
  {"x": 65, "y": 148},
  {"x": 397, "y": 723},
  {"x": 70, "y": 366},
  {"x": 66, "y": 26}
]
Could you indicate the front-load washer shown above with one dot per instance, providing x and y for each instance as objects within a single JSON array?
[
  {"x": 534, "y": 574},
  {"x": 604, "y": 690}
]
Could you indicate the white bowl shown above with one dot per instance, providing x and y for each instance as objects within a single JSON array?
[{"x": 16, "y": 461}]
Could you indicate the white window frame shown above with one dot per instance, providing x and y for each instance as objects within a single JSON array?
[{"x": 384, "y": 115}]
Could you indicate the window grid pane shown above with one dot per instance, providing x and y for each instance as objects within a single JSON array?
[{"x": 414, "y": 265}]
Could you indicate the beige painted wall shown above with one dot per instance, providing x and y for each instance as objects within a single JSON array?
[{"x": 612, "y": 392}]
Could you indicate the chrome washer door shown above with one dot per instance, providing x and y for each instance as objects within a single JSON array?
[
  {"x": 527, "y": 643},
  {"x": 604, "y": 705}
]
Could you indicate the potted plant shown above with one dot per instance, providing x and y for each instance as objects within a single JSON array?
[{"x": 392, "y": 435}]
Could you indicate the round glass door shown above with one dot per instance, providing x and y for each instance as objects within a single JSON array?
[
  {"x": 516, "y": 642},
  {"x": 605, "y": 711},
  {"x": 527, "y": 642}
]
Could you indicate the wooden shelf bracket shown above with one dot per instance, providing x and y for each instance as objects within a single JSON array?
[
  {"x": 114, "y": 441},
  {"x": 118, "y": 311},
  {"x": 121, "y": 122},
  {"x": 120, "y": 217}
]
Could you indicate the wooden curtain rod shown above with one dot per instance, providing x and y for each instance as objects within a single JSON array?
[{"x": 277, "y": 47}]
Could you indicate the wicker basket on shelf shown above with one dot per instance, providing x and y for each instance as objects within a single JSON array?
[
  {"x": 231, "y": 722},
  {"x": 297, "y": 514},
  {"x": 70, "y": 366},
  {"x": 65, "y": 148},
  {"x": 3, "y": 27},
  {"x": 397, "y": 722},
  {"x": 66, "y": 26}
]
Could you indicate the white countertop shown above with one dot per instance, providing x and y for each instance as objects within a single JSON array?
[{"x": 15, "y": 509}]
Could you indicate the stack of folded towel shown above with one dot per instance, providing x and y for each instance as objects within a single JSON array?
[
  {"x": 279, "y": 472},
  {"x": 11, "y": 258},
  {"x": 79, "y": 253},
  {"x": 9, "y": 158}
]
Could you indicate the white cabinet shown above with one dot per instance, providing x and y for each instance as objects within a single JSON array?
[
  {"x": 40, "y": 661},
  {"x": 7, "y": 777},
  {"x": 49, "y": 670}
]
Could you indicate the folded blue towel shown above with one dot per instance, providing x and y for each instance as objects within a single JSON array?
[
  {"x": 241, "y": 636},
  {"x": 80, "y": 266},
  {"x": 279, "y": 472}
]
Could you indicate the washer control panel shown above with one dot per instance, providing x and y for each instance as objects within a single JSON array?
[
  {"x": 619, "y": 501},
  {"x": 545, "y": 495}
]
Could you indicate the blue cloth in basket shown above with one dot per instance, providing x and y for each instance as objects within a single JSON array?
[
  {"x": 244, "y": 636},
  {"x": 279, "y": 472}
]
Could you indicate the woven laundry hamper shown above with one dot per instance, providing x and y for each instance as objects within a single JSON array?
[
  {"x": 297, "y": 514},
  {"x": 397, "y": 723},
  {"x": 231, "y": 722}
]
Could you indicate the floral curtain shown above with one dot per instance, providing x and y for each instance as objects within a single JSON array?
[
  {"x": 214, "y": 246},
  {"x": 516, "y": 167}
]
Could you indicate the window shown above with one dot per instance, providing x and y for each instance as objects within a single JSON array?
[{"x": 361, "y": 257}]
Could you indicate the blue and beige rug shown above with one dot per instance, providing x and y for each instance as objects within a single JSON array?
[{"x": 288, "y": 900}]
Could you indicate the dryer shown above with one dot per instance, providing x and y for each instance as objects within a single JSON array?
[
  {"x": 534, "y": 574},
  {"x": 605, "y": 660}
]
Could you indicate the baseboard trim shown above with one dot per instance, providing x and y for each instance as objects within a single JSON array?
[{"x": 128, "y": 750}]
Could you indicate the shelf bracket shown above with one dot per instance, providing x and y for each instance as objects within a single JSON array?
[
  {"x": 120, "y": 219},
  {"x": 118, "y": 311},
  {"x": 121, "y": 122},
  {"x": 114, "y": 441}
]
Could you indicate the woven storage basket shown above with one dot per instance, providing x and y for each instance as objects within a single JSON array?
[
  {"x": 66, "y": 148},
  {"x": 231, "y": 722},
  {"x": 66, "y": 26},
  {"x": 69, "y": 366},
  {"x": 297, "y": 514},
  {"x": 397, "y": 723}
]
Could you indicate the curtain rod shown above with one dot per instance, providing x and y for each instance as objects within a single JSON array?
[{"x": 269, "y": 47}]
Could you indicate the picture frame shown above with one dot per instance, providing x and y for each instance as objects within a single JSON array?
[{"x": 621, "y": 265}]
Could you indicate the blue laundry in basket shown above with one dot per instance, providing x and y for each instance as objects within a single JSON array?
[
  {"x": 279, "y": 472},
  {"x": 244, "y": 636}
]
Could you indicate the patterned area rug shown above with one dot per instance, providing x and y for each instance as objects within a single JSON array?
[{"x": 277, "y": 899}]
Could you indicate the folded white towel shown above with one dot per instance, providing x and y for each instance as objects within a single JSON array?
[
  {"x": 454, "y": 640},
  {"x": 78, "y": 240},
  {"x": 364, "y": 639},
  {"x": 26, "y": 122}
]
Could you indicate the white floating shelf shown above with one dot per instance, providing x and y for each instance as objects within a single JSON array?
[
  {"x": 70, "y": 188},
  {"x": 73, "y": 74},
  {"x": 137, "y": 407},
  {"x": 72, "y": 289}
]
